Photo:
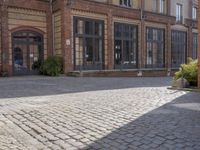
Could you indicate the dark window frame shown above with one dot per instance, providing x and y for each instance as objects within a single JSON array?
[
  {"x": 132, "y": 39},
  {"x": 195, "y": 45},
  {"x": 178, "y": 42},
  {"x": 84, "y": 35},
  {"x": 125, "y": 3},
  {"x": 157, "y": 42}
]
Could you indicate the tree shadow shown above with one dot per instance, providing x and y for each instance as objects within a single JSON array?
[
  {"x": 43, "y": 86},
  {"x": 175, "y": 125}
]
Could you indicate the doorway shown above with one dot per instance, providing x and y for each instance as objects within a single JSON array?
[{"x": 27, "y": 48}]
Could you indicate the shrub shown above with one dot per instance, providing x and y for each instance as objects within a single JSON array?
[
  {"x": 52, "y": 66},
  {"x": 36, "y": 65},
  {"x": 3, "y": 74},
  {"x": 189, "y": 72}
]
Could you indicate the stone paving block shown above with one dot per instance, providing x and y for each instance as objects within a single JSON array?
[{"x": 97, "y": 113}]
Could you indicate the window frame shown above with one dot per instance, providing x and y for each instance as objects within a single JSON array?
[
  {"x": 158, "y": 43},
  {"x": 178, "y": 47},
  {"x": 125, "y": 3},
  {"x": 162, "y": 6},
  {"x": 123, "y": 38},
  {"x": 85, "y": 36},
  {"x": 179, "y": 13},
  {"x": 194, "y": 45},
  {"x": 194, "y": 12}
]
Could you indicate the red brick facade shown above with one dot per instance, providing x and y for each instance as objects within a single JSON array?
[{"x": 107, "y": 12}]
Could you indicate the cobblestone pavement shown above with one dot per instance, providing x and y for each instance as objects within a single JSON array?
[{"x": 97, "y": 113}]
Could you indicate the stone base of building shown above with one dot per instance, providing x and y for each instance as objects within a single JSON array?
[{"x": 123, "y": 73}]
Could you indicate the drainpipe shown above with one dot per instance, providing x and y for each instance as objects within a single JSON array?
[
  {"x": 52, "y": 22},
  {"x": 1, "y": 39},
  {"x": 141, "y": 35},
  {"x": 2, "y": 57}
]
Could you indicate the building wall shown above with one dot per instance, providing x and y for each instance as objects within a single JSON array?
[{"x": 58, "y": 25}]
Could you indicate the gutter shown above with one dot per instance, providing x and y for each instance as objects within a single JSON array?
[{"x": 52, "y": 22}]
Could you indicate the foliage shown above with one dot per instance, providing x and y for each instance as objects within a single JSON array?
[
  {"x": 3, "y": 74},
  {"x": 52, "y": 66},
  {"x": 36, "y": 65},
  {"x": 189, "y": 72}
]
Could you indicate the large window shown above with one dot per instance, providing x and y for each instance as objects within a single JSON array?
[
  {"x": 195, "y": 46},
  {"x": 179, "y": 13},
  {"x": 179, "y": 46},
  {"x": 88, "y": 44},
  {"x": 155, "y": 48},
  {"x": 125, "y": 46},
  {"x": 126, "y": 3}
]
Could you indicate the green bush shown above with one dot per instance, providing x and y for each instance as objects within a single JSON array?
[
  {"x": 52, "y": 66},
  {"x": 36, "y": 65},
  {"x": 3, "y": 74},
  {"x": 189, "y": 72}
]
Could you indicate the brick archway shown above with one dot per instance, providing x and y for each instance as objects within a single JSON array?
[{"x": 21, "y": 28}]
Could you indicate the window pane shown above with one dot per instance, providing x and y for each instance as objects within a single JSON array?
[
  {"x": 80, "y": 27},
  {"x": 89, "y": 27},
  {"x": 155, "y": 47},
  {"x": 125, "y": 46},
  {"x": 178, "y": 48},
  {"x": 88, "y": 53},
  {"x": 195, "y": 46}
]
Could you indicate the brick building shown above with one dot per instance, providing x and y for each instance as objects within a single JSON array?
[{"x": 118, "y": 37}]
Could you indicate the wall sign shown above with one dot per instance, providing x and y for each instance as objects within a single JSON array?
[{"x": 68, "y": 42}]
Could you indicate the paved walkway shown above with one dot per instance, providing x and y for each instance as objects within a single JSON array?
[{"x": 97, "y": 114}]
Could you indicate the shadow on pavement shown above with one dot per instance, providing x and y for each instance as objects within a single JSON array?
[{"x": 175, "y": 125}]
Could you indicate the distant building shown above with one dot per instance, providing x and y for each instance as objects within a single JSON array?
[{"x": 141, "y": 37}]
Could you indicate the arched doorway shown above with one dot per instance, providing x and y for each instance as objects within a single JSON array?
[{"x": 28, "y": 53}]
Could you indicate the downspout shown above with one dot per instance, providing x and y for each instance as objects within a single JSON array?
[
  {"x": 141, "y": 28},
  {"x": 1, "y": 39},
  {"x": 52, "y": 22},
  {"x": 2, "y": 57}
]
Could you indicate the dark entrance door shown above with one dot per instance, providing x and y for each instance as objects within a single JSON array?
[{"x": 27, "y": 52}]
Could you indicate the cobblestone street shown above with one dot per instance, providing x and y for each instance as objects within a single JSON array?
[{"x": 39, "y": 113}]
